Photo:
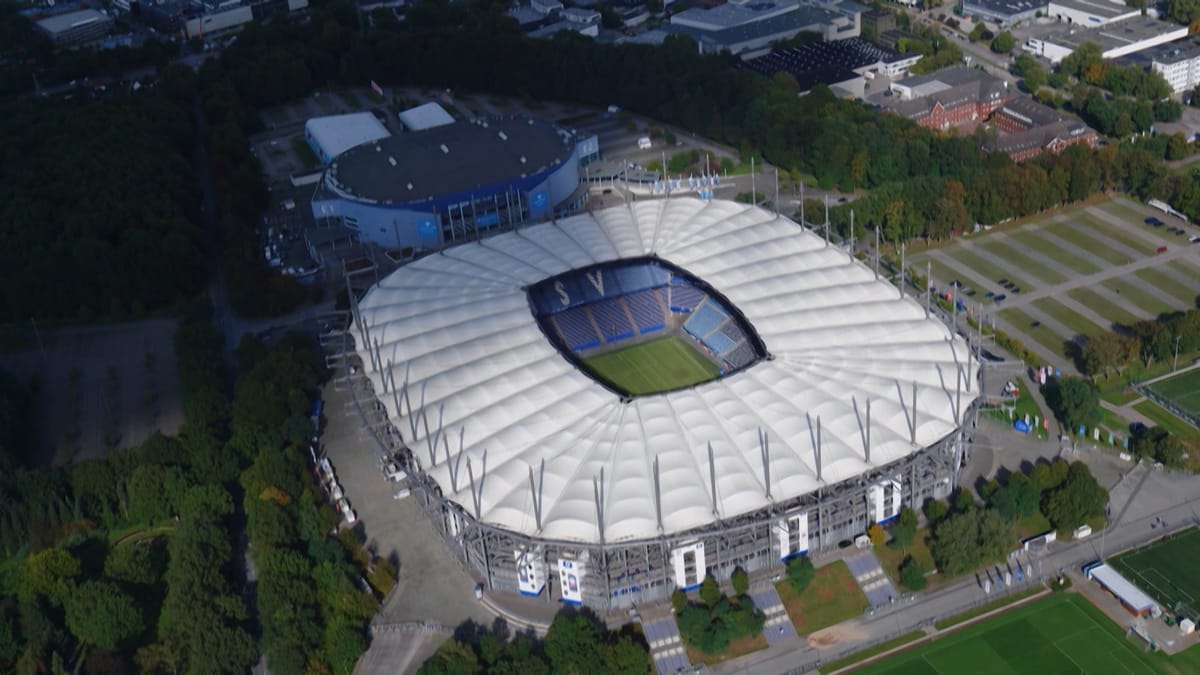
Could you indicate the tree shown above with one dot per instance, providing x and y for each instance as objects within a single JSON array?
[
  {"x": 1018, "y": 498},
  {"x": 740, "y": 581},
  {"x": 1004, "y": 43},
  {"x": 1030, "y": 71},
  {"x": 138, "y": 563},
  {"x": 101, "y": 614},
  {"x": 710, "y": 592},
  {"x": 964, "y": 540},
  {"x": 1079, "y": 499},
  {"x": 679, "y": 600},
  {"x": 912, "y": 576},
  {"x": 800, "y": 572},
  {"x": 964, "y": 501},
  {"x": 1107, "y": 352},
  {"x": 876, "y": 534},
  {"x": 574, "y": 644},
  {"x": 1183, "y": 11},
  {"x": 48, "y": 573},
  {"x": 905, "y": 529},
  {"x": 935, "y": 510},
  {"x": 452, "y": 658},
  {"x": 1074, "y": 400}
]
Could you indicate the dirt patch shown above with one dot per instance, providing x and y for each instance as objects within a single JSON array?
[
  {"x": 101, "y": 387},
  {"x": 827, "y": 637}
]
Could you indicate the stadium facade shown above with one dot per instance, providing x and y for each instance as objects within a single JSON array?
[
  {"x": 847, "y": 405},
  {"x": 456, "y": 182}
]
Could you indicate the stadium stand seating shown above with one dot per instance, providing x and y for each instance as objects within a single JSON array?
[
  {"x": 741, "y": 356},
  {"x": 611, "y": 318},
  {"x": 704, "y": 320},
  {"x": 647, "y": 310},
  {"x": 719, "y": 342},
  {"x": 576, "y": 329},
  {"x": 685, "y": 298}
]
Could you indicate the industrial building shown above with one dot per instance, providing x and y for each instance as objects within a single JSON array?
[
  {"x": 1090, "y": 13},
  {"x": 1118, "y": 38},
  {"x": 427, "y": 189},
  {"x": 1178, "y": 62},
  {"x": 549, "y": 484},
  {"x": 750, "y": 29},
  {"x": 1004, "y": 13},
  {"x": 75, "y": 28},
  {"x": 842, "y": 65},
  {"x": 332, "y": 135}
]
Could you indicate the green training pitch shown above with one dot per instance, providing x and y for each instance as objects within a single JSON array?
[
  {"x": 1060, "y": 634},
  {"x": 1183, "y": 390},
  {"x": 1166, "y": 569},
  {"x": 664, "y": 364}
]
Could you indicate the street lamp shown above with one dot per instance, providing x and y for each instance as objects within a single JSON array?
[{"x": 1175, "y": 366}]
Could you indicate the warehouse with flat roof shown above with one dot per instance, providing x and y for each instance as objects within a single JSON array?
[
  {"x": 331, "y": 136},
  {"x": 74, "y": 28}
]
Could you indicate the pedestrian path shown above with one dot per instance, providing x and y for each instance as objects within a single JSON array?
[
  {"x": 778, "y": 626},
  {"x": 871, "y": 578},
  {"x": 666, "y": 646}
]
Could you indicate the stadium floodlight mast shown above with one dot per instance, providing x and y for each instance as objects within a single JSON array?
[{"x": 826, "y": 218}]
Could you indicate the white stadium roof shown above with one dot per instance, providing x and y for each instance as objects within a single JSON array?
[{"x": 458, "y": 328}]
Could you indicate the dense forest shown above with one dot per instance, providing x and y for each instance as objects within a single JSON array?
[
  {"x": 135, "y": 563},
  {"x": 95, "y": 201}
]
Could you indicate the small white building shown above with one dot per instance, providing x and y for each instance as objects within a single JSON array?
[
  {"x": 425, "y": 116},
  {"x": 1178, "y": 63},
  {"x": 331, "y": 136}
]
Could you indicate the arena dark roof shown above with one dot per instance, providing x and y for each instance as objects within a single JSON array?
[{"x": 449, "y": 159}]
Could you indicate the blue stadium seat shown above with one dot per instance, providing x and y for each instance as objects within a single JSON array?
[
  {"x": 576, "y": 329},
  {"x": 685, "y": 298},
  {"x": 741, "y": 356},
  {"x": 719, "y": 342},
  {"x": 611, "y": 318},
  {"x": 704, "y": 320},
  {"x": 647, "y": 310}
]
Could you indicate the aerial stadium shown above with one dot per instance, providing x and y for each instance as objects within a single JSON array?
[
  {"x": 610, "y": 406},
  {"x": 430, "y": 188}
]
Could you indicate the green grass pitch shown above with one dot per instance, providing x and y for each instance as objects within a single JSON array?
[
  {"x": 1183, "y": 390},
  {"x": 1061, "y": 634},
  {"x": 664, "y": 364},
  {"x": 1166, "y": 569}
]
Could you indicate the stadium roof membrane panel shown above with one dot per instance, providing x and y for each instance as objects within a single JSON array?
[{"x": 483, "y": 386}]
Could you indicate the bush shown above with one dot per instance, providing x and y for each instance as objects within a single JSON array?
[
  {"x": 679, "y": 600},
  {"x": 876, "y": 534},
  {"x": 935, "y": 510},
  {"x": 740, "y": 581},
  {"x": 1060, "y": 584},
  {"x": 912, "y": 576},
  {"x": 800, "y": 572},
  {"x": 710, "y": 592}
]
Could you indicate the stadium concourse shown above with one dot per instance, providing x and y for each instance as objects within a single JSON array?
[{"x": 549, "y": 483}]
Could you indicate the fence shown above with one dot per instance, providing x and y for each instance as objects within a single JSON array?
[{"x": 1168, "y": 405}]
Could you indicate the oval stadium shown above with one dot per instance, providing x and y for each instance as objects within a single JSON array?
[{"x": 610, "y": 406}]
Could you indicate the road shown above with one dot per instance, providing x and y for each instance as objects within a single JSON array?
[{"x": 1121, "y": 534}]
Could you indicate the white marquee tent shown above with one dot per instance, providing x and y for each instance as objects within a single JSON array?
[{"x": 457, "y": 333}]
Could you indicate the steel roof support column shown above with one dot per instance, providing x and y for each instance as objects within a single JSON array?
[
  {"x": 819, "y": 478},
  {"x": 764, "y": 445},
  {"x": 657, "y": 495},
  {"x": 868, "y": 444},
  {"x": 712, "y": 479},
  {"x": 913, "y": 432},
  {"x": 598, "y": 493}
]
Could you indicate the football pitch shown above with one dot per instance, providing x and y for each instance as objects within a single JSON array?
[
  {"x": 664, "y": 364},
  {"x": 1183, "y": 390},
  {"x": 1061, "y": 634},
  {"x": 1166, "y": 569}
]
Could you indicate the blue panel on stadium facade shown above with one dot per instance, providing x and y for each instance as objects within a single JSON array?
[{"x": 430, "y": 188}]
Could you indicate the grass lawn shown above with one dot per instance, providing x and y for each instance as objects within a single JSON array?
[
  {"x": 1032, "y": 526},
  {"x": 1124, "y": 236},
  {"x": 1076, "y": 232},
  {"x": 831, "y": 598},
  {"x": 1165, "y": 419},
  {"x": 1048, "y": 339},
  {"x": 1142, "y": 298},
  {"x": 1080, "y": 324},
  {"x": 1011, "y": 251},
  {"x": 738, "y": 647},
  {"x": 865, "y": 654},
  {"x": 890, "y": 558},
  {"x": 1101, "y": 305},
  {"x": 1013, "y": 270},
  {"x": 304, "y": 153},
  {"x": 1068, "y": 257},
  {"x": 1166, "y": 569},
  {"x": 664, "y": 364},
  {"x": 1062, "y": 633},
  {"x": 1168, "y": 284},
  {"x": 1183, "y": 390}
]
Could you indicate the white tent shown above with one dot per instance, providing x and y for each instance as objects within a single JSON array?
[{"x": 488, "y": 405}]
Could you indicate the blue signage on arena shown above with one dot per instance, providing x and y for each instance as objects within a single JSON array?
[
  {"x": 427, "y": 228},
  {"x": 538, "y": 199}
]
